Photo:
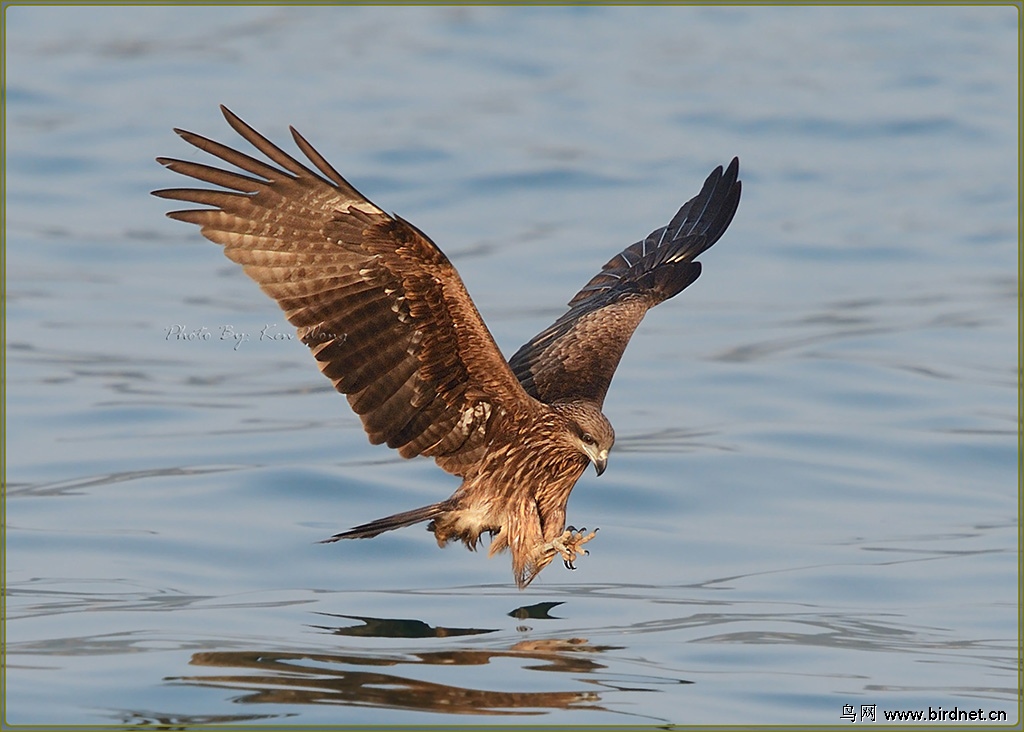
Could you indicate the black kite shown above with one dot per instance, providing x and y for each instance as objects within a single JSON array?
[{"x": 389, "y": 321}]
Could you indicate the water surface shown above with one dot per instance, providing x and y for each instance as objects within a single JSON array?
[{"x": 812, "y": 502}]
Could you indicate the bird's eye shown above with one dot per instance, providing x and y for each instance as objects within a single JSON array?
[{"x": 588, "y": 439}]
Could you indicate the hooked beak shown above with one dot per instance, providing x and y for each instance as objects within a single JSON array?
[{"x": 601, "y": 462}]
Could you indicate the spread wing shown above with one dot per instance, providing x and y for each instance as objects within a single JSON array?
[
  {"x": 379, "y": 305},
  {"x": 576, "y": 357}
]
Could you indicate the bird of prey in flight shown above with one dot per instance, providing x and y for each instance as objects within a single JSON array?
[{"x": 391, "y": 324}]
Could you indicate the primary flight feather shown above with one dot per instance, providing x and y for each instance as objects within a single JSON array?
[{"x": 390, "y": 323}]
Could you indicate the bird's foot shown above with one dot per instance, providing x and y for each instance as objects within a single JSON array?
[{"x": 569, "y": 543}]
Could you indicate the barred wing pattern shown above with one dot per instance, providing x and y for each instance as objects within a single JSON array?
[
  {"x": 378, "y": 304},
  {"x": 576, "y": 357}
]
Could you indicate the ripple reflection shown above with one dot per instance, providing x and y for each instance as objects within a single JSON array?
[{"x": 359, "y": 678}]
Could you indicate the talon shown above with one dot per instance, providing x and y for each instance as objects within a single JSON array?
[{"x": 570, "y": 545}]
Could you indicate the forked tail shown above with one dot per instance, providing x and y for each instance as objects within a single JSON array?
[{"x": 389, "y": 523}]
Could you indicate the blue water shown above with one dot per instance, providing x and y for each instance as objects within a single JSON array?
[{"x": 813, "y": 500}]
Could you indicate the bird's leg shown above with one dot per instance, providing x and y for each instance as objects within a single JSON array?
[{"x": 569, "y": 543}]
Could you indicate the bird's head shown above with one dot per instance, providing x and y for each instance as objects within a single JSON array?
[{"x": 591, "y": 431}]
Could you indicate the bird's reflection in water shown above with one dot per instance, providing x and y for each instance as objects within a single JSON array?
[
  {"x": 357, "y": 677},
  {"x": 540, "y": 611},
  {"x": 396, "y": 628}
]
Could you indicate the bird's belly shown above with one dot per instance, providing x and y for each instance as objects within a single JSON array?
[{"x": 466, "y": 523}]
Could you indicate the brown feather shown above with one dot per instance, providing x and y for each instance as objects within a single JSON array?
[
  {"x": 336, "y": 264},
  {"x": 390, "y": 323},
  {"x": 576, "y": 357}
]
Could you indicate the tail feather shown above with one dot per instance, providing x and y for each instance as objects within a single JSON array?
[{"x": 389, "y": 523}]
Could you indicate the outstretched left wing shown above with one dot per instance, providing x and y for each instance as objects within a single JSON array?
[
  {"x": 378, "y": 304},
  {"x": 576, "y": 357}
]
